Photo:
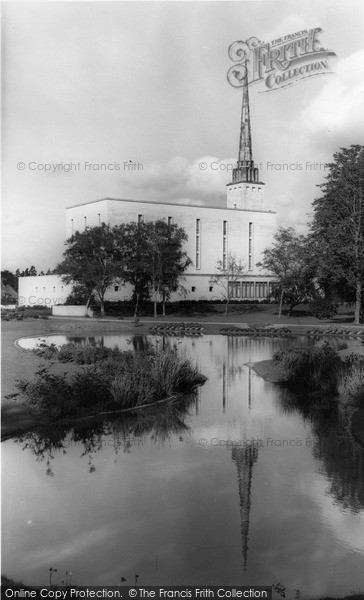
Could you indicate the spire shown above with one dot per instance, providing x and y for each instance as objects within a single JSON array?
[
  {"x": 245, "y": 142},
  {"x": 245, "y": 170}
]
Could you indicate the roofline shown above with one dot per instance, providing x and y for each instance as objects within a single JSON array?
[{"x": 170, "y": 204}]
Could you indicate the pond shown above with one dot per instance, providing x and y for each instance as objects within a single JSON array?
[{"x": 239, "y": 485}]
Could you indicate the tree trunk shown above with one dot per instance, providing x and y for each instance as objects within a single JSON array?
[
  {"x": 164, "y": 308},
  {"x": 281, "y": 303},
  {"x": 226, "y": 307},
  {"x": 88, "y": 304},
  {"x": 155, "y": 306},
  {"x": 136, "y": 305},
  {"x": 102, "y": 308},
  {"x": 357, "y": 303}
]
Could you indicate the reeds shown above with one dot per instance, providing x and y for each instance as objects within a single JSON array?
[
  {"x": 311, "y": 368},
  {"x": 155, "y": 376},
  {"x": 351, "y": 385}
]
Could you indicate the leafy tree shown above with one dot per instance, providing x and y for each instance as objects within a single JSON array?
[
  {"x": 8, "y": 278},
  {"x": 169, "y": 260},
  {"x": 289, "y": 260},
  {"x": 28, "y": 272},
  {"x": 227, "y": 274},
  {"x": 153, "y": 259},
  {"x": 338, "y": 229},
  {"x": 91, "y": 261},
  {"x": 134, "y": 252}
]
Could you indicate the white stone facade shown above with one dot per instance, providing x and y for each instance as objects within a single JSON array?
[
  {"x": 44, "y": 290},
  {"x": 212, "y": 233}
]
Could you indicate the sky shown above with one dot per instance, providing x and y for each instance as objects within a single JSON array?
[{"x": 145, "y": 83}]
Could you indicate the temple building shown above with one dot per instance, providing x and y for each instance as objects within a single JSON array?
[{"x": 244, "y": 228}]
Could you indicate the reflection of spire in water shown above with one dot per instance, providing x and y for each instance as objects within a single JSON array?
[
  {"x": 245, "y": 459},
  {"x": 224, "y": 387},
  {"x": 250, "y": 387}
]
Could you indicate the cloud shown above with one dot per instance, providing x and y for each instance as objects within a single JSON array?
[
  {"x": 202, "y": 181},
  {"x": 335, "y": 116}
]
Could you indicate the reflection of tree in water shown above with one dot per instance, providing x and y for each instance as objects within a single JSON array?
[
  {"x": 342, "y": 458},
  {"x": 244, "y": 459},
  {"x": 160, "y": 423}
]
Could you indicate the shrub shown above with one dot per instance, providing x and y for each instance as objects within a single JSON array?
[
  {"x": 351, "y": 387},
  {"x": 48, "y": 393},
  {"x": 311, "y": 368},
  {"x": 323, "y": 308},
  {"x": 55, "y": 396}
]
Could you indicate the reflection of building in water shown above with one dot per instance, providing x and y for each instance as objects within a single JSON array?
[
  {"x": 232, "y": 367},
  {"x": 244, "y": 459}
]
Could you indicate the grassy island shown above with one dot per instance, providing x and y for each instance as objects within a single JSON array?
[{"x": 108, "y": 380}]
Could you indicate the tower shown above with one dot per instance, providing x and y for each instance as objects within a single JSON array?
[{"x": 246, "y": 191}]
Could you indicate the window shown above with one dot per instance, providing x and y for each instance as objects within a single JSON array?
[
  {"x": 198, "y": 244},
  {"x": 250, "y": 247},
  {"x": 210, "y": 288},
  {"x": 116, "y": 288},
  {"x": 259, "y": 189},
  {"x": 224, "y": 243},
  {"x": 193, "y": 288},
  {"x": 253, "y": 188},
  {"x": 140, "y": 218},
  {"x": 247, "y": 187},
  {"x": 235, "y": 289}
]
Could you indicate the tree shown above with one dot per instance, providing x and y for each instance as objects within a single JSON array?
[
  {"x": 91, "y": 261},
  {"x": 28, "y": 272},
  {"x": 338, "y": 228},
  {"x": 289, "y": 260},
  {"x": 8, "y": 278},
  {"x": 134, "y": 251},
  {"x": 170, "y": 261},
  {"x": 153, "y": 259},
  {"x": 228, "y": 273}
]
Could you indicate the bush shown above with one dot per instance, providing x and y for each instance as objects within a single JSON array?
[
  {"x": 55, "y": 396},
  {"x": 311, "y": 368},
  {"x": 323, "y": 308},
  {"x": 50, "y": 394},
  {"x": 351, "y": 387}
]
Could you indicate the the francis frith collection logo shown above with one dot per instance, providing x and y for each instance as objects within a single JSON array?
[{"x": 279, "y": 63}]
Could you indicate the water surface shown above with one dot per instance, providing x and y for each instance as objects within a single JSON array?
[{"x": 236, "y": 486}]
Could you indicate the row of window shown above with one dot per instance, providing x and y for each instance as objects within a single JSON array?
[
  {"x": 250, "y": 289},
  {"x": 224, "y": 245},
  {"x": 140, "y": 219},
  {"x": 54, "y": 289},
  {"x": 246, "y": 289},
  {"x": 247, "y": 187}
]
